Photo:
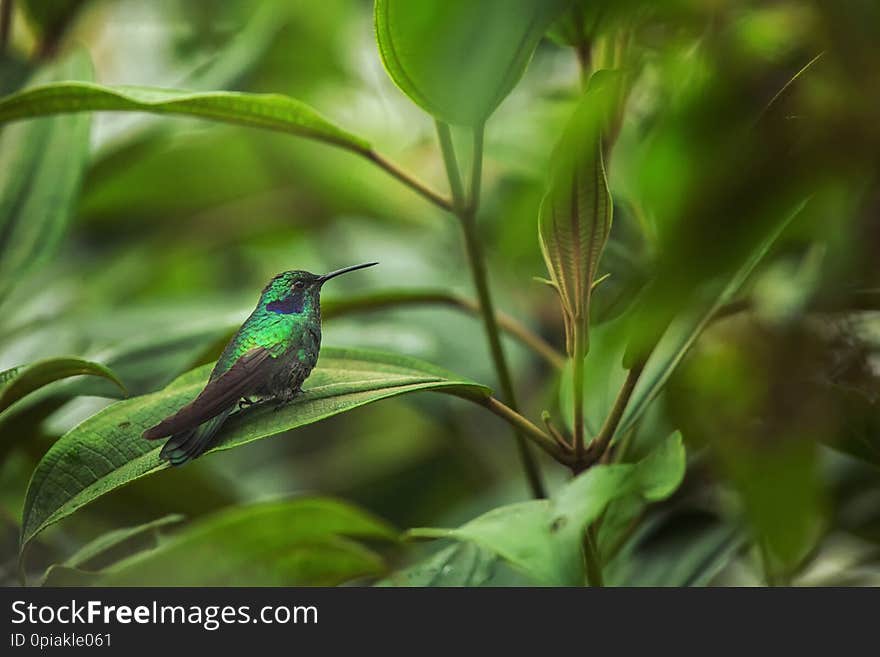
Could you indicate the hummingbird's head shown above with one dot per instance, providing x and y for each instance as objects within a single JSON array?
[{"x": 295, "y": 291}]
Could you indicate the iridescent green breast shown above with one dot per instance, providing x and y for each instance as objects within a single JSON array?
[{"x": 280, "y": 333}]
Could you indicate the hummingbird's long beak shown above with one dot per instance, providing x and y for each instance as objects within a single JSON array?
[{"x": 326, "y": 277}]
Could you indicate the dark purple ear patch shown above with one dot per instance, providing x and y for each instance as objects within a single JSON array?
[{"x": 287, "y": 305}]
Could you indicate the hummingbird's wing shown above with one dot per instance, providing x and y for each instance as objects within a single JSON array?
[{"x": 238, "y": 381}]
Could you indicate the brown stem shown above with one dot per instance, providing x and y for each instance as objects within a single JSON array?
[
  {"x": 410, "y": 181},
  {"x": 526, "y": 428},
  {"x": 554, "y": 432},
  {"x": 507, "y": 323},
  {"x": 600, "y": 443}
]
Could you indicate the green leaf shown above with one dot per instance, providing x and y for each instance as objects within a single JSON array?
[
  {"x": 21, "y": 381},
  {"x": 266, "y": 111},
  {"x": 107, "y": 451},
  {"x": 298, "y": 542},
  {"x": 41, "y": 169},
  {"x": 101, "y": 547},
  {"x": 685, "y": 329},
  {"x": 543, "y": 538},
  {"x": 462, "y": 564},
  {"x": 459, "y": 59},
  {"x": 575, "y": 216}
]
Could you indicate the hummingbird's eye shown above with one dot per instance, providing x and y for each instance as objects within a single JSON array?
[{"x": 299, "y": 285}]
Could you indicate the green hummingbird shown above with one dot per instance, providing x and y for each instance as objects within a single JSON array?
[{"x": 269, "y": 357}]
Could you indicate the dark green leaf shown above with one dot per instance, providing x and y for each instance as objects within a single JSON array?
[{"x": 107, "y": 450}]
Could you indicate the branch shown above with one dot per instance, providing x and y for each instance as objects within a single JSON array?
[
  {"x": 392, "y": 298},
  {"x": 600, "y": 443},
  {"x": 410, "y": 181},
  {"x": 526, "y": 428}
]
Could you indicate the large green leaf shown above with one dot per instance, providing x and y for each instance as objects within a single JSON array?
[
  {"x": 458, "y": 59},
  {"x": 267, "y": 111},
  {"x": 543, "y": 538},
  {"x": 299, "y": 542},
  {"x": 21, "y": 381},
  {"x": 107, "y": 450},
  {"x": 41, "y": 168}
]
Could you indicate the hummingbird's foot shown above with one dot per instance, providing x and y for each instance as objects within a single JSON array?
[
  {"x": 283, "y": 400},
  {"x": 246, "y": 402}
]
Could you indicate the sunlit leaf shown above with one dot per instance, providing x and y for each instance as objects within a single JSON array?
[
  {"x": 267, "y": 111},
  {"x": 41, "y": 167},
  {"x": 459, "y": 59},
  {"x": 543, "y": 538},
  {"x": 298, "y": 542},
  {"x": 107, "y": 450}
]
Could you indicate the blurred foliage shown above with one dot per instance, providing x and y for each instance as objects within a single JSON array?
[{"x": 741, "y": 150}]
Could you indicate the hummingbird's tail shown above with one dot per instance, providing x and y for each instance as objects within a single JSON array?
[{"x": 191, "y": 443}]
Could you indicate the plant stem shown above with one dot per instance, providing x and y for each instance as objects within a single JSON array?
[
  {"x": 600, "y": 443},
  {"x": 404, "y": 297},
  {"x": 476, "y": 171},
  {"x": 525, "y": 428},
  {"x": 592, "y": 560},
  {"x": 444, "y": 136},
  {"x": 466, "y": 212},
  {"x": 410, "y": 181},
  {"x": 577, "y": 372}
]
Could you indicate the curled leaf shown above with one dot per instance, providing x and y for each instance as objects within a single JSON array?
[{"x": 575, "y": 215}]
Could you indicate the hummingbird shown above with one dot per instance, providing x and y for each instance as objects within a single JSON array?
[{"x": 269, "y": 358}]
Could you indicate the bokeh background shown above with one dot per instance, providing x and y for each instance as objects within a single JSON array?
[{"x": 180, "y": 223}]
